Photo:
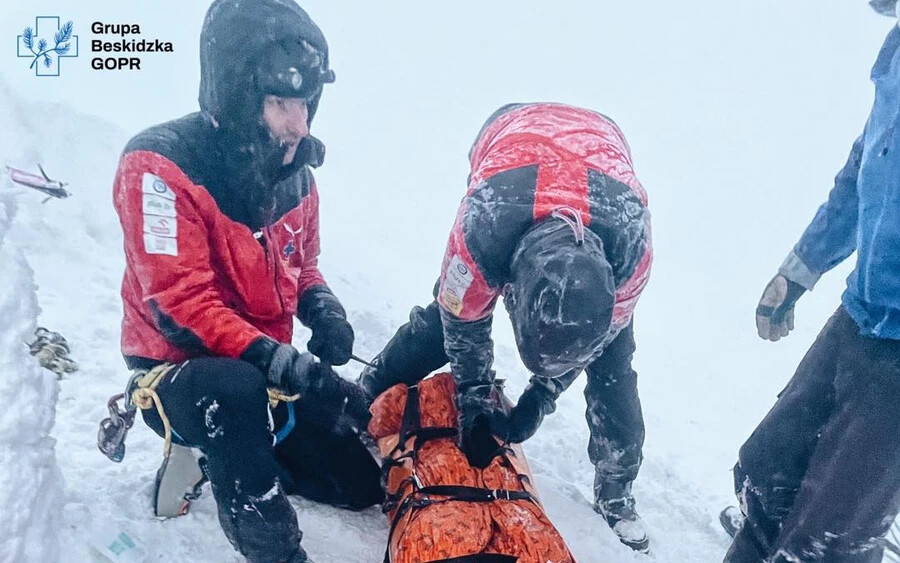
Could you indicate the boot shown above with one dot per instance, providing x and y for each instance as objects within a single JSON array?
[
  {"x": 263, "y": 528},
  {"x": 178, "y": 481},
  {"x": 300, "y": 557},
  {"x": 745, "y": 548},
  {"x": 732, "y": 520},
  {"x": 616, "y": 504},
  {"x": 415, "y": 350}
]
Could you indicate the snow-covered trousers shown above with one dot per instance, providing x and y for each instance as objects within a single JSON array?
[
  {"x": 613, "y": 414},
  {"x": 220, "y": 405},
  {"x": 819, "y": 478}
]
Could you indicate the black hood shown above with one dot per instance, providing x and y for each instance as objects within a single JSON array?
[
  {"x": 560, "y": 297},
  {"x": 239, "y": 43},
  {"x": 248, "y": 49}
]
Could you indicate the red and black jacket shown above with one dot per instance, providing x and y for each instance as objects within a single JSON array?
[
  {"x": 527, "y": 161},
  {"x": 215, "y": 258}
]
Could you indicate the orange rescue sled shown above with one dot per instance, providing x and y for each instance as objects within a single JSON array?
[{"x": 441, "y": 508}]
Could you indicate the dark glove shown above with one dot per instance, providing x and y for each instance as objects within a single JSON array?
[
  {"x": 332, "y": 335},
  {"x": 286, "y": 369},
  {"x": 524, "y": 419},
  {"x": 775, "y": 312},
  {"x": 332, "y": 340},
  {"x": 477, "y": 407},
  {"x": 338, "y": 405}
]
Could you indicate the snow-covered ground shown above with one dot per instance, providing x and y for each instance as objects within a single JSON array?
[
  {"x": 31, "y": 488},
  {"x": 734, "y": 148},
  {"x": 74, "y": 249}
]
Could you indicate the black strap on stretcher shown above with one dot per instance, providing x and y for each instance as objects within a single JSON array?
[{"x": 422, "y": 497}]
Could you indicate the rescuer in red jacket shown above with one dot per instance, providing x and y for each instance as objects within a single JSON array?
[
  {"x": 556, "y": 221},
  {"x": 219, "y": 211}
]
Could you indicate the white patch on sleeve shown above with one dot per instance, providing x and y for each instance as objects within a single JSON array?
[
  {"x": 160, "y": 216},
  {"x": 457, "y": 280},
  {"x": 158, "y": 205},
  {"x": 154, "y": 185},
  {"x": 154, "y": 244},
  {"x": 161, "y": 226}
]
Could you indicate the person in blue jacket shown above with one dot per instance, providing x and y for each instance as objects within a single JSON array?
[{"x": 819, "y": 478}]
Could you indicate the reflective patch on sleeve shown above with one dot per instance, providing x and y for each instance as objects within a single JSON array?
[
  {"x": 160, "y": 216},
  {"x": 154, "y": 244},
  {"x": 457, "y": 280},
  {"x": 154, "y": 185},
  {"x": 161, "y": 226},
  {"x": 158, "y": 205}
]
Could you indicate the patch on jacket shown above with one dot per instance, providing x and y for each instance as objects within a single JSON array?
[
  {"x": 160, "y": 216},
  {"x": 457, "y": 280}
]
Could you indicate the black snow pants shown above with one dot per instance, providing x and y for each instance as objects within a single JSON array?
[
  {"x": 220, "y": 406},
  {"x": 613, "y": 414},
  {"x": 819, "y": 478}
]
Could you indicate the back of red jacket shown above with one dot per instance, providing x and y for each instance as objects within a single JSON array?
[
  {"x": 210, "y": 264},
  {"x": 527, "y": 161}
]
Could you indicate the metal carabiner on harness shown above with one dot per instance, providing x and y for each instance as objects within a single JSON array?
[{"x": 114, "y": 429}]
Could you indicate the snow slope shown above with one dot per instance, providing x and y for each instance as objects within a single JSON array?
[
  {"x": 74, "y": 248},
  {"x": 735, "y": 150},
  {"x": 30, "y": 481}
]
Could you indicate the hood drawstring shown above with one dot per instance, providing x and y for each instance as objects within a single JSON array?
[{"x": 573, "y": 220}]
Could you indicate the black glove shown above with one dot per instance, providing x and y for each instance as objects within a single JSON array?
[
  {"x": 285, "y": 367},
  {"x": 334, "y": 403},
  {"x": 525, "y": 418},
  {"x": 477, "y": 407},
  {"x": 327, "y": 399},
  {"x": 332, "y": 335},
  {"x": 775, "y": 312},
  {"x": 332, "y": 340}
]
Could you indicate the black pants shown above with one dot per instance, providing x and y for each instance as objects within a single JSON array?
[
  {"x": 221, "y": 406},
  {"x": 613, "y": 414},
  {"x": 820, "y": 476}
]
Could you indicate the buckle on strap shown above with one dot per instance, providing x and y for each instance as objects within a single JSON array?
[{"x": 500, "y": 494}]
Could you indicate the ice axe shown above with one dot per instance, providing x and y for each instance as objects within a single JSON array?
[{"x": 362, "y": 361}]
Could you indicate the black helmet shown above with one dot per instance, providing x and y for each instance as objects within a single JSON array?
[
  {"x": 251, "y": 48},
  {"x": 561, "y": 295},
  {"x": 884, "y": 7}
]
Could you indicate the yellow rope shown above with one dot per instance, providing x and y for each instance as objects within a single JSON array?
[
  {"x": 276, "y": 395},
  {"x": 145, "y": 397}
]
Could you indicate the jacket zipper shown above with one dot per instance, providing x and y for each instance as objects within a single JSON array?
[{"x": 276, "y": 259}]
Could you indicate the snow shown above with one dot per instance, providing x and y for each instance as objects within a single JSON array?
[
  {"x": 736, "y": 140},
  {"x": 31, "y": 486},
  {"x": 75, "y": 250}
]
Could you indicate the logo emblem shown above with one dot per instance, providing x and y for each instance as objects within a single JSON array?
[
  {"x": 288, "y": 249},
  {"x": 44, "y": 50}
]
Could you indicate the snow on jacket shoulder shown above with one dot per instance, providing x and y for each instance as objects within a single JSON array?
[{"x": 198, "y": 281}]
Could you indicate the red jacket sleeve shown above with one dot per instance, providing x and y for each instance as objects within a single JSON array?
[
  {"x": 466, "y": 304},
  {"x": 173, "y": 268},
  {"x": 464, "y": 292},
  {"x": 310, "y": 276}
]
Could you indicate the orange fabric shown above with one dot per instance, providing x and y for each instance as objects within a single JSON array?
[{"x": 454, "y": 529}]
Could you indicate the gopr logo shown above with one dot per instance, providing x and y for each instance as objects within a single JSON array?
[{"x": 45, "y": 54}]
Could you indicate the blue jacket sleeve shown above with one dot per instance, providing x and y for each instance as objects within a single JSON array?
[{"x": 831, "y": 237}]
